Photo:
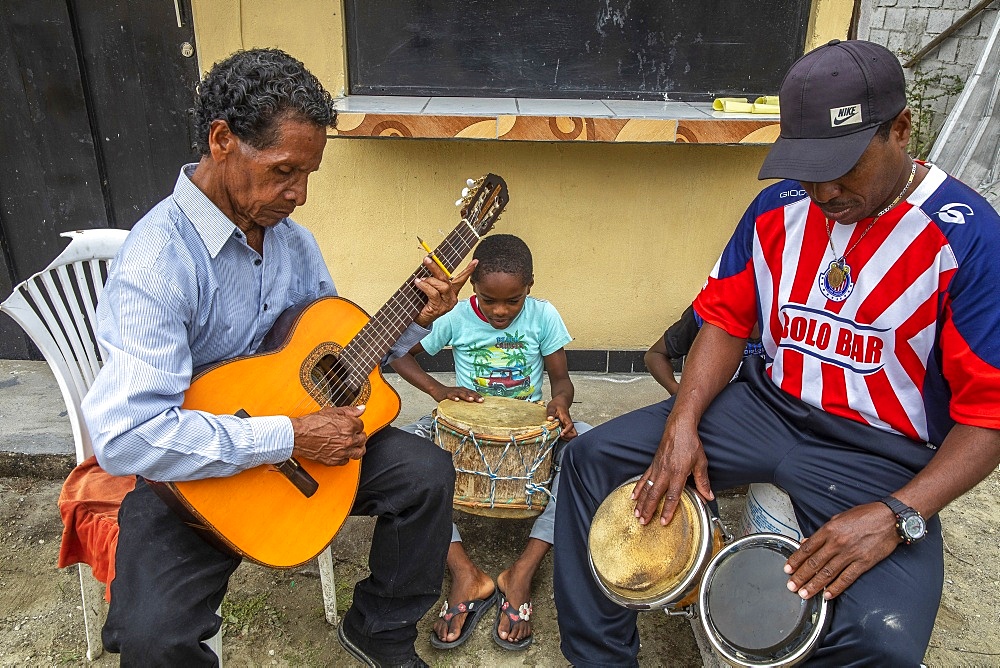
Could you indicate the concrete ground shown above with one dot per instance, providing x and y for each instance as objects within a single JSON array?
[{"x": 275, "y": 617}]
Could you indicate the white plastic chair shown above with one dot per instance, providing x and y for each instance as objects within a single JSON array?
[{"x": 56, "y": 308}]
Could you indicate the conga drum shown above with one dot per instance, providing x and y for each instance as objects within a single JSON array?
[
  {"x": 652, "y": 566},
  {"x": 503, "y": 454},
  {"x": 749, "y": 616}
]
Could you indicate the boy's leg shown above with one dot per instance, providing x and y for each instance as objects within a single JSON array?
[
  {"x": 424, "y": 427},
  {"x": 515, "y": 585},
  {"x": 515, "y": 582},
  {"x": 544, "y": 527},
  {"x": 468, "y": 583}
]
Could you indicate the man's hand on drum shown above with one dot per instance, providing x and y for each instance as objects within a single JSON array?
[
  {"x": 841, "y": 550},
  {"x": 456, "y": 394},
  {"x": 442, "y": 291},
  {"x": 679, "y": 456},
  {"x": 558, "y": 409},
  {"x": 331, "y": 436}
]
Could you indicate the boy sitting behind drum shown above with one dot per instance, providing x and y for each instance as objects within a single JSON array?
[{"x": 499, "y": 329}]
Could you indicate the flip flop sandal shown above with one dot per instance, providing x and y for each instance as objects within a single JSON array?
[
  {"x": 520, "y": 616},
  {"x": 476, "y": 609}
]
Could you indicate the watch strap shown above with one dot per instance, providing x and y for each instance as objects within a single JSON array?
[{"x": 895, "y": 505}]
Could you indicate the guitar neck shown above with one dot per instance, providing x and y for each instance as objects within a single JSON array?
[{"x": 376, "y": 338}]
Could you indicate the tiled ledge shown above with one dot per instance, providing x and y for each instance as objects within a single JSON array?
[{"x": 523, "y": 119}]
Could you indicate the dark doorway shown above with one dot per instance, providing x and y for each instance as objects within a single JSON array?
[{"x": 94, "y": 124}]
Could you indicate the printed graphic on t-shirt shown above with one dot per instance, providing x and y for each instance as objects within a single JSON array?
[{"x": 502, "y": 369}]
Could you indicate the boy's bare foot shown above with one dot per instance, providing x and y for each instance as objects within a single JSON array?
[
  {"x": 515, "y": 583},
  {"x": 468, "y": 583}
]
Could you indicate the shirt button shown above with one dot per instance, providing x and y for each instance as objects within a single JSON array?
[
  {"x": 265, "y": 307},
  {"x": 257, "y": 261}
]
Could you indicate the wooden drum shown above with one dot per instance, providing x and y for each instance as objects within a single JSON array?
[
  {"x": 652, "y": 566},
  {"x": 503, "y": 454}
]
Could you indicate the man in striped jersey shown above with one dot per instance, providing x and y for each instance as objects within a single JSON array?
[{"x": 879, "y": 400}]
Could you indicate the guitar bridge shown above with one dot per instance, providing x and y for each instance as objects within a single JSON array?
[
  {"x": 298, "y": 476},
  {"x": 292, "y": 470}
]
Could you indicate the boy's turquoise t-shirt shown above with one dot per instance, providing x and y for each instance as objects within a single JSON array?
[{"x": 503, "y": 362}]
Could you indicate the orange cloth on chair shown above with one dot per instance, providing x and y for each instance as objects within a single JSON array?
[{"x": 89, "y": 504}]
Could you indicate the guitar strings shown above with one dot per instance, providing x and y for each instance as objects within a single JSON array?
[
  {"x": 407, "y": 300},
  {"x": 415, "y": 300},
  {"x": 365, "y": 347},
  {"x": 412, "y": 298}
]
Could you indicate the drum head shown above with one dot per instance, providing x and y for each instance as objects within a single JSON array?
[
  {"x": 497, "y": 418},
  {"x": 748, "y": 613},
  {"x": 647, "y": 566}
]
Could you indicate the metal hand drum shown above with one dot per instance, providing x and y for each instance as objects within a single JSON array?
[
  {"x": 749, "y": 615},
  {"x": 503, "y": 454},
  {"x": 652, "y": 566}
]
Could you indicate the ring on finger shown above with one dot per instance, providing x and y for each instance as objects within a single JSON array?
[{"x": 649, "y": 482}]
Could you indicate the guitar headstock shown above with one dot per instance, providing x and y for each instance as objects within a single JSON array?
[{"x": 483, "y": 201}]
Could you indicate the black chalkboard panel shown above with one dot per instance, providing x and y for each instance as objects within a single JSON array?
[{"x": 611, "y": 49}]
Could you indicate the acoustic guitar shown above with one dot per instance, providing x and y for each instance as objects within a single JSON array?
[{"x": 326, "y": 353}]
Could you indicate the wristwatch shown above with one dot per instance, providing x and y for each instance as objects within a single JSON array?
[{"x": 910, "y": 526}]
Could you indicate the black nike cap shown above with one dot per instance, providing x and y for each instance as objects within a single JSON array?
[{"x": 832, "y": 101}]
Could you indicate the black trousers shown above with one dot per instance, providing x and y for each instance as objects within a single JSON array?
[
  {"x": 169, "y": 582},
  {"x": 754, "y": 433}
]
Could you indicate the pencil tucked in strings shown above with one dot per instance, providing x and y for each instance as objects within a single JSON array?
[{"x": 435, "y": 257}]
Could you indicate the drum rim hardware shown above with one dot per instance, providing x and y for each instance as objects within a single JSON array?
[
  {"x": 819, "y": 607},
  {"x": 669, "y": 599}
]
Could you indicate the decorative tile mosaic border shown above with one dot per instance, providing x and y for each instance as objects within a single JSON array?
[{"x": 510, "y": 127}]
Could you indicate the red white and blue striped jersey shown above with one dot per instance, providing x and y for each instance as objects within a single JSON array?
[{"x": 909, "y": 343}]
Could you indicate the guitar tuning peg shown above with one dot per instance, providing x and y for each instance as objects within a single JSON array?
[
  {"x": 459, "y": 202},
  {"x": 470, "y": 182},
  {"x": 465, "y": 192}
]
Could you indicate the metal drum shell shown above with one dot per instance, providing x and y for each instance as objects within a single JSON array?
[
  {"x": 729, "y": 653},
  {"x": 684, "y": 592}
]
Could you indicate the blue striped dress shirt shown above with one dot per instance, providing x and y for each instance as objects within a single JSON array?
[{"x": 186, "y": 290}]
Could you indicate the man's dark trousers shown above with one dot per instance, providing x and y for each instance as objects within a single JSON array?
[
  {"x": 753, "y": 432},
  {"x": 169, "y": 582}
]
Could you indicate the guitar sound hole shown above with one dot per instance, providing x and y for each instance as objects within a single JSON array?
[
  {"x": 327, "y": 375},
  {"x": 332, "y": 380}
]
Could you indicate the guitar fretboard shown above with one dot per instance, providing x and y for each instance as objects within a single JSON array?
[{"x": 375, "y": 339}]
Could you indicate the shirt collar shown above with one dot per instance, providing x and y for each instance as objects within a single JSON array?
[{"x": 214, "y": 228}]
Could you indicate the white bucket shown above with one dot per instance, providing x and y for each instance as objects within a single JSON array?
[{"x": 768, "y": 509}]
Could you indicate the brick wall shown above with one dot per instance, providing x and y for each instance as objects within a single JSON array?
[{"x": 905, "y": 26}]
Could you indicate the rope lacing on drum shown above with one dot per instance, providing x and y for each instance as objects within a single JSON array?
[{"x": 530, "y": 486}]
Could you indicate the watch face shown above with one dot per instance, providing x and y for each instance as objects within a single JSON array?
[{"x": 914, "y": 527}]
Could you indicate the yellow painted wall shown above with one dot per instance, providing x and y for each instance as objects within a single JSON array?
[
  {"x": 829, "y": 19},
  {"x": 623, "y": 235}
]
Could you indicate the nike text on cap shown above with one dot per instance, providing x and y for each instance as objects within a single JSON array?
[{"x": 832, "y": 101}]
